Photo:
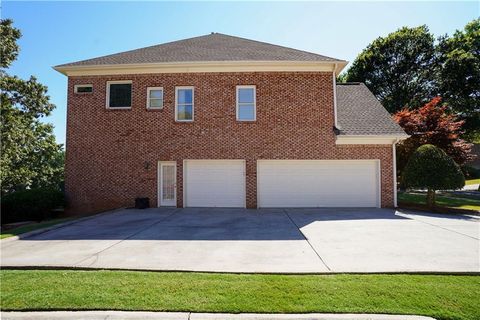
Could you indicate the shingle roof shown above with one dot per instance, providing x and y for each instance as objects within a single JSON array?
[
  {"x": 360, "y": 113},
  {"x": 212, "y": 47}
]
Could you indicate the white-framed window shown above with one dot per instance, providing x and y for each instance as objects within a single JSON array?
[
  {"x": 119, "y": 94},
  {"x": 83, "y": 88},
  {"x": 246, "y": 103},
  {"x": 184, "y": 104},
  {"x": 154, "y": 98}
]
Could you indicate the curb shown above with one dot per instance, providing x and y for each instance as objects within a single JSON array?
[
  {"x": 118, "y": 315},
  {"x": 55, "y": 226}
]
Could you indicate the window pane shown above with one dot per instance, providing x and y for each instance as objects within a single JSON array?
[
  {"x": 184, "y": 112},
  {"x": 245, "y": 95},
  {"x": 156, "y": 103},
  {"x": 84, "y": 89},
  {"x": 120, "y": 95},
  {"x": 246, "y": 112},
  {"x": 156, "y": 94},
  {"x": 184, "y": 96}
]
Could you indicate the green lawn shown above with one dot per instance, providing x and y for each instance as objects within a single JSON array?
[
  {"x": 439, "y": 296},
  {"x": 31, "y": 227},
  {"x": 474, "y": 181},
  {"x": 450, "y": 202}
]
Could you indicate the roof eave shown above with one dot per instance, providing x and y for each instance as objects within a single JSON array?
[
  {"x": 202, "y": 66},
  {"x": 370, "y": 139}
]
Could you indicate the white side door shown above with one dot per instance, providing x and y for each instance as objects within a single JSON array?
[{"x": 167, "y": 179}]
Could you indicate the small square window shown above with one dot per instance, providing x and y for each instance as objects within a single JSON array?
[
  {"x": 184, "y": 104},
  {"x": 119, "y": 94},
  {"x": 83, "y": 88},
  {"x": 154, "y": 98},
  {"x": 246, "y": 103}
]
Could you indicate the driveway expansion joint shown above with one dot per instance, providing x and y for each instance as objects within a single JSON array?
[
  {"x": 306, "y": 239},
  {"x": 95, "y": 255},
  {"x": 409, "y": 215}
]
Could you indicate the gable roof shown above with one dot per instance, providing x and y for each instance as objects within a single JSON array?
[
  {"x": 211, "y": 47},
  {"x": 360, "y": 113}
]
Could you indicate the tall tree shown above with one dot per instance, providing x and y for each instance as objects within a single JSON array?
[
  {"x": 398, "y": 68},
  {"x": 29, "y": 154},
  {"x": 459, "y": 73}
]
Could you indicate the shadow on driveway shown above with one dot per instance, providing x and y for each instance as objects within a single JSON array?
[{"x": 207, "y": 224}]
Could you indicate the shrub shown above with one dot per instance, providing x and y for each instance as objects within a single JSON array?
[
  {"x": 431, "y": 168},
  {"x": 470, "y": 172},
  {"x": 33, "y": 204}
]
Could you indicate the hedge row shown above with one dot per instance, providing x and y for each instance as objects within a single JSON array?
[{"x": 31, "y": 205}]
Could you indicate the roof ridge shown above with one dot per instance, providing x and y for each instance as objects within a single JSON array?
[{"x": 276, "y": 45}]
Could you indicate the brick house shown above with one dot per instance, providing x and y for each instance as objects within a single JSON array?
[{"x": 222, "y": 121}]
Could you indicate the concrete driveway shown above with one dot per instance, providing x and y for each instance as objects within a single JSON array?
[{"x": 265, "y": 240}]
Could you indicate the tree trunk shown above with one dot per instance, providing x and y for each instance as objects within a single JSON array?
[{"x": 430, "y": 198}]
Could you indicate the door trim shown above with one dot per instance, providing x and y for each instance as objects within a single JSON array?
[{"x": 160, "y": 182}]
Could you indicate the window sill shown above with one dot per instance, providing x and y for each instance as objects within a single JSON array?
[{"x": 119, "y": 108}]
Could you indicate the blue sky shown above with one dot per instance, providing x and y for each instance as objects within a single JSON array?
[{"x": 59, "y": 32}]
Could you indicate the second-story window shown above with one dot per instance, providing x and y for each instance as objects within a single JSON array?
[
  {"x": 154, "y": 98},
  {"x": 246, "y": 103},
  {"x": 184, "y": 97},
  {"x": 119, "y": 94},
  {"x": 83, "y": 88}
]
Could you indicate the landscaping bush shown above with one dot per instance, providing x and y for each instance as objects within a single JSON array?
[
  {"x": 471, "y": 172},
  {"x": 31, "y": 205},
  {"x": 431, "y": 168}
]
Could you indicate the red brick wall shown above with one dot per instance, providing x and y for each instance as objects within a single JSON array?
[{"x": 112, "y": 155}]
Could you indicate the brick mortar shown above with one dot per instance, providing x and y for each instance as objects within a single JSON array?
[{"x": 108, "y": 151}]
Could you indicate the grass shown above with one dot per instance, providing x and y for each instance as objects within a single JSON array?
[
  {"x": 474, "y": 181},
  {"x": 30, "y": 227},
  {"x": 440, "y": 296},
  {"x": 444, "y": 201}
]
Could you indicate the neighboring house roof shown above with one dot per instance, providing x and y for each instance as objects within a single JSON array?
[
  {"x": 360, "y": 113},
  {"x": 212, "y": 47}
]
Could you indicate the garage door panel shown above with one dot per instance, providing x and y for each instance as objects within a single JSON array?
[
  {"x": 215, "y": 183},
  {"x": 317, "y": 183}
]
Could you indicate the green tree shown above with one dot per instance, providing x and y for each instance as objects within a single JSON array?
[
  {"x": 30, "y": 156},
  {"x": 399, "y": 68},
  {"x": 431, "y": 168},
  {"x": 459, "y": 74}
]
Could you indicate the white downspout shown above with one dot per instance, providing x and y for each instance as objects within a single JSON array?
[
  {"x": 335, "y": 96},
  {"x": 394, "y": 153}
]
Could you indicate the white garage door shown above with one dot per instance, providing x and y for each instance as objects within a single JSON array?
[
  {"x": 214, "y": 183},
  {"x": 318, "y": 183}
]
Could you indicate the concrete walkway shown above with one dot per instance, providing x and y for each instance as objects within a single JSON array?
[
  {"x": 266, "y": 240},
  {"x": 121, "y": 315}
]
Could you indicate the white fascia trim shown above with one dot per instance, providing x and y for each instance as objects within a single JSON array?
[
  {"x": 211, "y": 66},
  {"x": 369, "y": 139}
]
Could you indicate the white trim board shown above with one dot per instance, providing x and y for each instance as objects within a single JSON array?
[
  {"x": 369, "y": 139},
  {"x": 201, "y": 66}
]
